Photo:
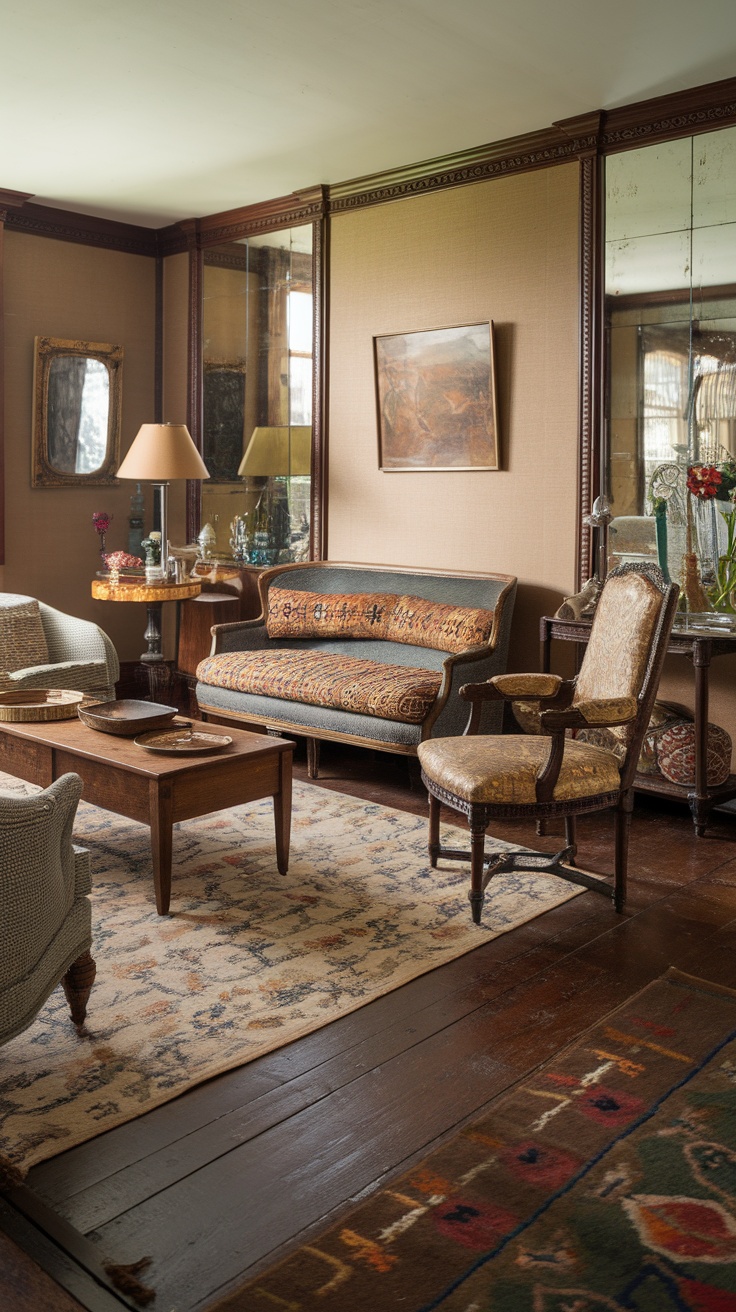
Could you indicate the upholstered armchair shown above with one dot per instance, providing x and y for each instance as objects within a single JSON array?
[
  {"x": 45, "y": 913},
  {"x": 551, "y": 773},
  {"x": 41, "y": 647}
]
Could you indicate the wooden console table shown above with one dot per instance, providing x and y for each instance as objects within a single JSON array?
[{"x": 699, "y": 648}]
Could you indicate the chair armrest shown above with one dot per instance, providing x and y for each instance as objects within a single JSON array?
[
  {"x": 514, "y": 688},
  {"x": 599, "y": 712},
  {"x": 82, "y": 872},
  {"x": 238, "y": 635}
]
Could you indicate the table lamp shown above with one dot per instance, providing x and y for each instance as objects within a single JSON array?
[
  {"x": 159, "y": 453},
  {"x": 274, "y": 454},
  {"x": 278, "y": 452}
]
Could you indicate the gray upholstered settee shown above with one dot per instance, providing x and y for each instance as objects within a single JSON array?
[{"x": 367, "y": 654}]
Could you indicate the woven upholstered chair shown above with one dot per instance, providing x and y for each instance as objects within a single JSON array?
[
  {"x": 45, "y": 914},
  {"x": 43, "y": 648},
  {"x": 552, "y": 774}
]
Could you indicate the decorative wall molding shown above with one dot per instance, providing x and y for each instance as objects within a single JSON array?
[
  {"x": 681, "y": 113},
  {"x": 515, "y": 155},
  {"x": 232, "y": 257},
  {"x": 590, "y": 356},
  {"x": 85, "y": 229}
]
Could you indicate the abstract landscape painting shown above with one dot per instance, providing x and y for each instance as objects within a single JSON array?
[{"x": 436, "y": 394}]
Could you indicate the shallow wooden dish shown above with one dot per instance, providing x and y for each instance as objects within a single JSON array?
[
  {"x": 180, "y": 740},
  {"x": 39, "y": 704},
  {"x": 126, "y": 718}
]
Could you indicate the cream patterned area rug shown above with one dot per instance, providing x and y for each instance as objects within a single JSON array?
[{"x": 248, "y": 960}]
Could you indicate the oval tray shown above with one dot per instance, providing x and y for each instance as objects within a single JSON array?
[
  {"x": 39, "y": 704},
  {"x": 181, "y": 741},
  {"x": 126, "y": 717}
]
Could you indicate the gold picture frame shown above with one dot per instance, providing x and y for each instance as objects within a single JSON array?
[
  {"x": 77, "y": 408},
  {"x": 436, "y": 399}
]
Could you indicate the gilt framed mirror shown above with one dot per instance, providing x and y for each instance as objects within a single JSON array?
[{"x": 77, "y": 403}]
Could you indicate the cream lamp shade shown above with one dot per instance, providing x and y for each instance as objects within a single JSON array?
[
  {"x": 159, "y": 453},
  {"x": 278, "y": 452}
]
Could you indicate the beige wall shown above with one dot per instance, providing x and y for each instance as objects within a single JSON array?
[
  {"x": 505, "y": 250},
  {"x": 60, "y": 289}
]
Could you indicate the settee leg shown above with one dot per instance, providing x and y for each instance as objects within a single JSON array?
[
  {"x": 313, "y": 745},
  {"x": 77, "y": 985}
]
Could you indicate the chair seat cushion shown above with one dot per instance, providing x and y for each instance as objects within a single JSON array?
[
  {"x": 391, "y": 692},
  {"x": 503, "y": 770}
]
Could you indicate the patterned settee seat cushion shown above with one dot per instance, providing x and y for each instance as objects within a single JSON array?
[
  {"x": 390, "y": 692},
  {"x": 377, "y": 615}
]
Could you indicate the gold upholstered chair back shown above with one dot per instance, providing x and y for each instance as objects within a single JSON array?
[{"x": 626, "y": 649}]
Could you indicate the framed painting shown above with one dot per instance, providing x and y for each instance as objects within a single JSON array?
[{"x": 436, "y": 397}]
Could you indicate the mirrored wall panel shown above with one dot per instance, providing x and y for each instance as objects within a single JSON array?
[
  {"x": 258, "y": 369},
  {"x": 671, "y": 347}
]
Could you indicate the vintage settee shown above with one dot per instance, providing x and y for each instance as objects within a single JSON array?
[{"x": 367, "y": 654}]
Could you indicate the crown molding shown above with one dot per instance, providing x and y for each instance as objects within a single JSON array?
[
  {"x": 681, "y": 113},
  {"x": 87, "y": 229},
  {"x": 11, "y": 200},
  {"x": 515, "y": 155}
]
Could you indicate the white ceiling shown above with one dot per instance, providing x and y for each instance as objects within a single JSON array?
[{"x": 155, "y": 110}]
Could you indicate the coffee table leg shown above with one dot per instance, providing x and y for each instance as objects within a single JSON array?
[
  {"x": 282, "y": 812},
  {"x": 161, "y": 809}
]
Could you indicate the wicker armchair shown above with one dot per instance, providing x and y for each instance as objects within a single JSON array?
[
  {"x": 45, "y": 914},
  {"x": 43, "y": 648}
]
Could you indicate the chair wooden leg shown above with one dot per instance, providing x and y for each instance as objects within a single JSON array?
[
  {"x": 570, "y": 829},
  {"x": 313, "y": 746},
  {"x": 434, "y": 830},
  {"x": 476, "y": 895},
  {"x": 77, "y": 985},
  {"x": 622, "y": 825}
]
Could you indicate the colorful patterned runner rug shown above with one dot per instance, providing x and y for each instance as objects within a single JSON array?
[
  {"x": 605, "y": 1181},
  {"x": 248, "y": 961}
]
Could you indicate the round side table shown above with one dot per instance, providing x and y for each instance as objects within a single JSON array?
[{"x": 154, "y": 596}]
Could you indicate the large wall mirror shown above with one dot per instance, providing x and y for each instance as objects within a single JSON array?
[
  {"x": 77, "y": 392},
  {"x": 258, "y": 385},
  {"x": 670, "y": 314}
]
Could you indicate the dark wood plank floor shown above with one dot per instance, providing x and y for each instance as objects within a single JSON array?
[{"x": 233, "y": 1174}]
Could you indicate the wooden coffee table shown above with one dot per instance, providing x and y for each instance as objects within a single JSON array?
[{"x": 155, "y": 789}]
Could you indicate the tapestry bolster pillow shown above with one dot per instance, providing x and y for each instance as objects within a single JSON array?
[
  {"x": 390, "y": 692},
  {"x": 377, "y": 615},
  {"x": 22, "y": 639}
]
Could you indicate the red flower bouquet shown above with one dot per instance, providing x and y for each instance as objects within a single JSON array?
[{"x": 703, "y": 481}]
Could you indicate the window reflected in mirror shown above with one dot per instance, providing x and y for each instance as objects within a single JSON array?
[
  {"x": 671, "y": 336},
  {"x": 76, "y": 421},
  {"x": 258, "y": 382}
]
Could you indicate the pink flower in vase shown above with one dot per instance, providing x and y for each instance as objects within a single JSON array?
[{"x": 101, "y": 522}]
